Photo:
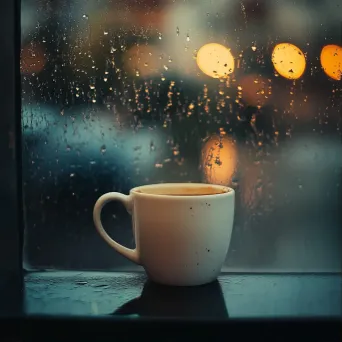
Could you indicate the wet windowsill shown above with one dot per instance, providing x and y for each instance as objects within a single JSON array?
[
  {"x": 233, "y": 296},
  {"x": 88, "y": 305}
]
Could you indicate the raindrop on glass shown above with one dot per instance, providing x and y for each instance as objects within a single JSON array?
[{"x": 103, "y": 149}]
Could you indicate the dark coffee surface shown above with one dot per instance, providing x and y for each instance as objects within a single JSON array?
[
  {"x": 199, "y": 194},
  {"x": 183, "y": 191}
]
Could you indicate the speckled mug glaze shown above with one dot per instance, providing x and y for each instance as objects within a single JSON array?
[{"x": 182, "y": 230}]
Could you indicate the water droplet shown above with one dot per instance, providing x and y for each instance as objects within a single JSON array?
[
  {"x": 103, "y": 149},
  {"x": 81, "y": 282}
]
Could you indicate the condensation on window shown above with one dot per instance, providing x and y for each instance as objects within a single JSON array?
[{"x": 119, "y": 93}]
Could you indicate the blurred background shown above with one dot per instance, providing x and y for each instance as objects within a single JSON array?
[{"x": 119, "y": 93}]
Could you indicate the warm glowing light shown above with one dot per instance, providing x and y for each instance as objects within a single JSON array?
[
  {"x": 215, "y": 60},
  {"x": 331, "y": 61},
  {"x": 218, "y": 160},
  {"x": 152, "y": 19},
  {"x": 254, "y": 90},
  {"x": 143, "y": 61},
  {"x": 32, "y": 60},
  {"x": 289, "y": 61}
]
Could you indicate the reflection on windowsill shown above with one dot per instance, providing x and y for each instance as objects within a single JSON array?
[{"x": 177, "y": 302}]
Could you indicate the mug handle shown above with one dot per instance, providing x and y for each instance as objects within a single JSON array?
[{"x": 131, "y": 254}]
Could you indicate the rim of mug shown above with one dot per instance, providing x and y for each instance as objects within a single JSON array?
[{"x": 228, "y": 191}]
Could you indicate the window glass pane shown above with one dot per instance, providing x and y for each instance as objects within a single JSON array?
[{"x": 119, "y": 93}]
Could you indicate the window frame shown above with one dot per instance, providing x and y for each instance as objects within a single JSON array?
[{"x": 12, "y": 232}]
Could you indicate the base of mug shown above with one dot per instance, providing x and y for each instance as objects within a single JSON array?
[{"x": 182, "y": 282}]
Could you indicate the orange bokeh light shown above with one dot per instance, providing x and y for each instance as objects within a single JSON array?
[
  {"x": 143, "y": 60},
  {"x": 254, "y": 89},
  {"x": 219, "y": 158},
  {"x": 32, "y": 60},
  {"x": 331, "y": 61},
  {"x": 289, "y": 61}
]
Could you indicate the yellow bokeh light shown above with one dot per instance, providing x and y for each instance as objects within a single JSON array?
[
  {"x": 215, "y": 60},
  {"x": 218, "y": 160},
  {"x": 331, "y": 61},
  {"x": 289, "y": 61}
]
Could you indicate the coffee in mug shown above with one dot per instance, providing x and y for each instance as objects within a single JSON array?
[{"x": 182, "y": 230}]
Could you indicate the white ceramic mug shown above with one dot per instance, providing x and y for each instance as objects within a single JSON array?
[{"x": 182, "y": 230}]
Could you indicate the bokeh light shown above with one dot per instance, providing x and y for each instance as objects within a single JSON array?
[
  {"x": 215, "y": 60},
  {"x": 152, "y": 19},
  {"x": 289, "y": 61},
  {"x": 254, "y": 89},
  {"x": 142, "y": 60},
  {"x": 331, "y": 61},
  {"x": 219, "y": 160},
  {"x": 32, "y": 59}
]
